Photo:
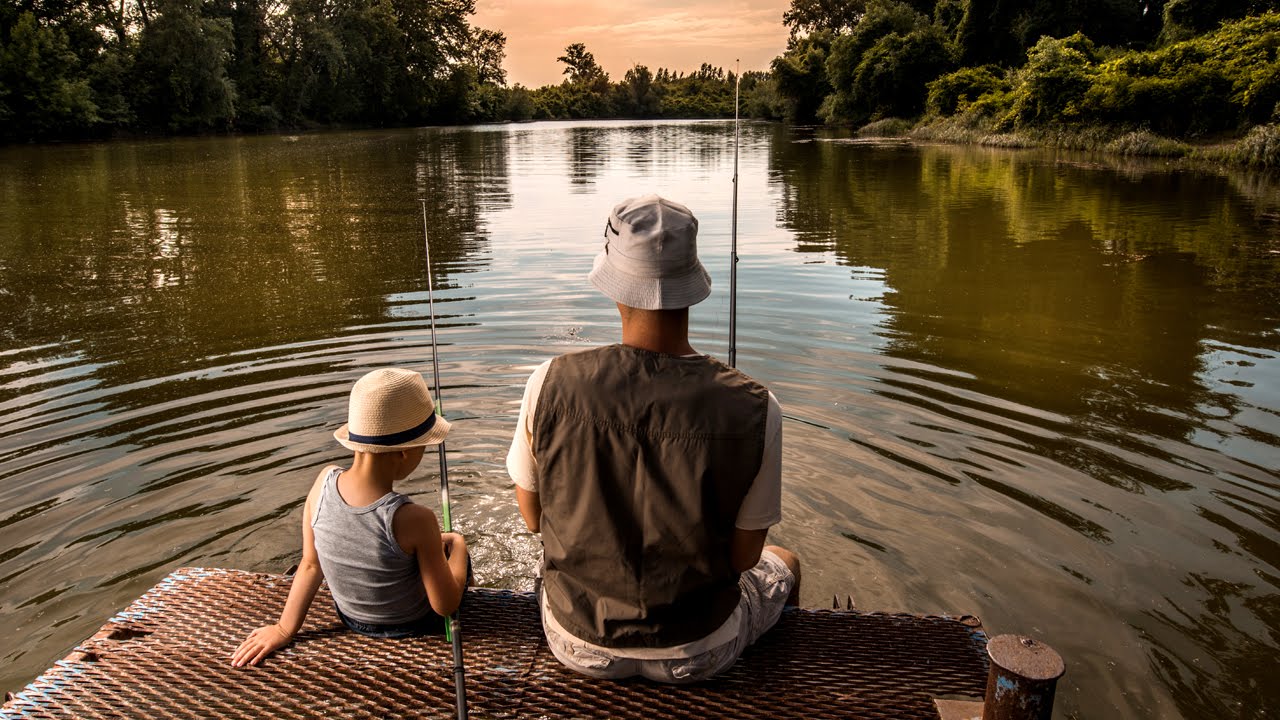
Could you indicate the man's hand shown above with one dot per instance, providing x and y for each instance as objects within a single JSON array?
[{"x": 260, "y": 643}]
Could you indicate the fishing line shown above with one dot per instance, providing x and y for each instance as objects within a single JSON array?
[
  {"x": 733, "y": 232},
  {"x": 451, "y": 630}
]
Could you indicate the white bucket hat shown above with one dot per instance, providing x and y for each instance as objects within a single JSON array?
[
  {"x": 390, "y": 410},
  {"x": 650, "y": 256}
]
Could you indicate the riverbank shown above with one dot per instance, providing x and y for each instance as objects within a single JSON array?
[{"x": 1258, "y": 149}]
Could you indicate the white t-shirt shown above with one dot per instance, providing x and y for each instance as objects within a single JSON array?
[{"x": 761, "y": 508}]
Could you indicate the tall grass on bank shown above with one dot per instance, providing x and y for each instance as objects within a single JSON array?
[
  {"x": 1144, "y": 144},
  {"x": 1259, "y": 149},
  {"x": 888, "y": 127}
]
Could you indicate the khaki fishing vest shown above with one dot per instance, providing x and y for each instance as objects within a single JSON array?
[{"x": 643, "y": 462}]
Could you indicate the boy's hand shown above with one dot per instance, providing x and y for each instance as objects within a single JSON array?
[
  {"x": 453, "y": 542},
  {"x": 260, "y": 643}
]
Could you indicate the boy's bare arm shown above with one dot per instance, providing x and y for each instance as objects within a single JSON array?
[
  {"x": 456, "y": 553},
  {"x": 418, "y": 532},
  {"x": 306, "y": 581}
]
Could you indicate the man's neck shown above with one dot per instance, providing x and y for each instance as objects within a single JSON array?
[{"x": 660, "y": 332}]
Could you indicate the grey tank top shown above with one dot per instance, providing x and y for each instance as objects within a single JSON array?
[{"x": 373, "y": 580}]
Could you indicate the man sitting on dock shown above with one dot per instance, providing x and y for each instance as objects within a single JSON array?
[{"x": 653, "y": 473}]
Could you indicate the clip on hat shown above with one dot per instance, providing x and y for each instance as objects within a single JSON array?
[
  {"x": 390, "y": 410},
  {"x": 650, "y": 257}
]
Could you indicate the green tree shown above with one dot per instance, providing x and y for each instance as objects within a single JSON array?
[
  {"x": 485, "y": 52},
  {"x": 640, "y": 96},
  {"x": 986, "y": 33},
  {"x": 551, "y": 102},
  {"x": 883, "y": 18},
  {"x": 892, "y": 79},
  {"x": 1107, "y": 22},
  {"x": 586, "y": 92},
  {"x": 385, "y": 78},
  {"x": 182, "y": 70},
  {"x": 706, "y": 92},
  {"x": 463, "y": 99},
  {"x": 110, "y": 80},
  {"x": 800, "y": 75},
  {"x": 760, "y": 97},
  {"x": 313, "y": 65},
  {"x": 519, "y": 104},
  {"x": 881, "y": 69},
  {"x": 1184, "y": 19},
  {"x": 42, "y": 94},
  {"x": 806, "y": 17},
  {"x": 580, "y": 64}
]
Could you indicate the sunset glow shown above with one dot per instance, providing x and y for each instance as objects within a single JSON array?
[{"x": 676, "y": 35}]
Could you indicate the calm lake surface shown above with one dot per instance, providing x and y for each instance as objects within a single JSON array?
[{"x": 1041, "y": 389}]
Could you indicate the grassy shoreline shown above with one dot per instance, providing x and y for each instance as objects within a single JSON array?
[{"x": 1259, "y": 149}]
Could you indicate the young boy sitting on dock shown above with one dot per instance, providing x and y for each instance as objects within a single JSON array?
[{"x": 390, "y": 569}]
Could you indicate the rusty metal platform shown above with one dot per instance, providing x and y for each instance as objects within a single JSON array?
[{"x": 167, "y": 656}]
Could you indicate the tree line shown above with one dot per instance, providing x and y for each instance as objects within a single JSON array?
[
  {"x": 97, "y": 68},
  {"x": 89, "y": 68},
  {"x": 587, "y": 92},
  {"x": 75, "y": 69},
  {"x": 1183, "y": 68}
]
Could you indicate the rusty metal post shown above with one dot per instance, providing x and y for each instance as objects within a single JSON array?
[{"x": 1024, "y": 675}]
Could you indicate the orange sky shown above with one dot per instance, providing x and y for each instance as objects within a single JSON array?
[{"x": 680, "y": 35}]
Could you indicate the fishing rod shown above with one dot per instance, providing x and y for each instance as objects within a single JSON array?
[
  {"x": 733, "y": 232},
  {"x": 451, "y": 630}
]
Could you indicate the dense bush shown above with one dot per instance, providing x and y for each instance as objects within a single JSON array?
[
  {"x": 954, "y": 92},
  {"x": 1222, "y": 81},
  {"x": 1050, "y": 88},
  {"x": 1179, "y": 68}
]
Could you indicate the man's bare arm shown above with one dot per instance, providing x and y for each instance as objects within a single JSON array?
[
  {"x": 530, "y": 508},
  {"x": 744, "y": 549}
]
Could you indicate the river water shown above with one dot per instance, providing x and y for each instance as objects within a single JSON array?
[{"x": 1043, "y": 389}]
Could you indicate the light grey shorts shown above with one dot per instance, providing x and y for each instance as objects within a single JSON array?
[{"x": 765, "y": 588}]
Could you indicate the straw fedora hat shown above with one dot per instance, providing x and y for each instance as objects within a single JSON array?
[
  {"x": 650, "y": 257},
  {"x": 391, "y": 409}
]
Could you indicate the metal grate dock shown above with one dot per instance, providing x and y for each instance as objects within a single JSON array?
[{"x": 167, "y": 656}]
